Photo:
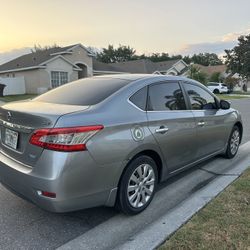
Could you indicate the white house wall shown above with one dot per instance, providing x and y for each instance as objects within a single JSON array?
[
  {"x": 14, "y": 86},
  {"x": 80, "y": 55},
  {"x": 180, "y": 66},
  {"x": 34, "y": 79},
  {"x": 61, "y": 65}
]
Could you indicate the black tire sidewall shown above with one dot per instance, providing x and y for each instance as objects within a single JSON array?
[{"x": 123, "y": 202}]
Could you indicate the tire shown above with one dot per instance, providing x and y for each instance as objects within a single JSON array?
[
  {"x": 233, "y": 143},
  {"x": 216, "y": 91},
  {"x": 139, "y": 171}
]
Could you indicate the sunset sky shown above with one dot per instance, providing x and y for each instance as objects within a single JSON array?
[{"x": 180, "y": 26}]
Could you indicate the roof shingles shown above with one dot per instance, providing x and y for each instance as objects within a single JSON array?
[{"x": 33, "y": 59}]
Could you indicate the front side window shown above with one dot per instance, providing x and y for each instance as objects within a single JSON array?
[
  {"x": 165, "y": 96},
  {"x": 199, "y": 98},
  {"x": 58, "y": 78}
]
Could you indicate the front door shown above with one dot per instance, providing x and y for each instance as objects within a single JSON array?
[
  {"x": 210, "y": 120},
  {"x": 172, "y": 125}
]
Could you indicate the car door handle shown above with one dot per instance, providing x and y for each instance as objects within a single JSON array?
[
  {"x": 161, "y": 130},
  {"x": 201, "y": 124}
]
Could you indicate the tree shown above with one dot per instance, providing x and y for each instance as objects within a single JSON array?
[
  {"x": 126, "y": 53},
  {"x": 111, "y": 55},
  {"x": 231, "y": 82},
  {"x": 38, "y": 47},
  {"x": 238, "y": 58},
  {"x": 195, "y": 73},
  {"x": 159, "y": 57},
  {"x": 205, "y": 59},
  {"x": 215, "y": 77}
]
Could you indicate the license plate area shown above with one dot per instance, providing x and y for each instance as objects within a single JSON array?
[{"x": 11, "y": 138}]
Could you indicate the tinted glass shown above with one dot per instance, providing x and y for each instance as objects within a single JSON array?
[
  {"x": 165, "y": 96},
  {"x": 224, "y": 85},
  {"x": 140, "y": 98},
  {"x": 212, "y": 84},
  {"x": 199, "y": 98},
  {"x": 88, "y": 91}
]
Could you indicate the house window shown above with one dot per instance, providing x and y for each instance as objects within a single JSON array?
[{"x": 58, "y": 78}]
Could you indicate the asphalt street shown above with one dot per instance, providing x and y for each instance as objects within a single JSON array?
[{"x": 24, "y": 226}]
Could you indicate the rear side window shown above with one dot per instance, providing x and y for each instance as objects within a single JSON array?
[
  {"x": 165, "y": 96},
  {"x": 89, "y": 91},
  {"x": 139, "y": 99}
]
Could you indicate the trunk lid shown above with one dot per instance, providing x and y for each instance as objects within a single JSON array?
[{"x": 20, "y": 119}]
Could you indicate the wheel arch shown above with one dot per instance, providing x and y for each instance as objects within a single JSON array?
[{"x": 152, "y": 154}]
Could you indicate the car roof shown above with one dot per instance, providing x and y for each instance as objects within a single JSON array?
[{"x": 134, "y": 77}]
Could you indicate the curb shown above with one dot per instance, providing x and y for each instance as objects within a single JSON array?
[{"x": 106, "y": 235}]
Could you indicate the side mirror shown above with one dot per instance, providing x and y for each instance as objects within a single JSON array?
[{"x": 224, "y": 104}]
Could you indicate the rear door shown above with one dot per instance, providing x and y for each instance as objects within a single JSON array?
[
  {"x": 172, "y": 125},
  {"x": 210, "y": 120}
]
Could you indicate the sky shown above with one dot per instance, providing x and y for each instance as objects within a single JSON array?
[{"x": 176, "y": 27}]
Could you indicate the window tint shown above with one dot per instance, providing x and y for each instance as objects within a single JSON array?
[
  {"x": 213, "y": 84},
  {"x": 89, "y": 91},
  {"x": 140, "y": 98},
  {"x": 224, "y": 85},
  {"x": 165, "y": 96},
  {"x": 199, "y": 98}
]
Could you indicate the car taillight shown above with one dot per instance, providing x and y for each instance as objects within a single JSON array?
[{"x": 64, "y": 139}]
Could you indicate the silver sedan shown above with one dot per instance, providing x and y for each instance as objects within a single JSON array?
[{"x": 110, "y": 140}]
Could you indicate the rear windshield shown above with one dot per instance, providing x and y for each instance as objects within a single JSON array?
[{"x": 89, "y": 91}]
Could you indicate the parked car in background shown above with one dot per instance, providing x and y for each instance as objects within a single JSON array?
[
  {"x": 110, "y": 140},
  {"x": 218, "y": 88}
]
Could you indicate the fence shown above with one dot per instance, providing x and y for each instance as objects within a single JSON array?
[{"x": 14, "y": 86}]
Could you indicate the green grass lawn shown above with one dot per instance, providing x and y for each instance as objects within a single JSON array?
[
  {"x": 223, "y": 224},
  {"x": 241, "y": 93},
  {"x": 229, "y": 97},
  {"x": 12, "y": 98}
]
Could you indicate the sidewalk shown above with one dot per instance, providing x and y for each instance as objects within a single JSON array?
[{"x": 167, "y": 212}]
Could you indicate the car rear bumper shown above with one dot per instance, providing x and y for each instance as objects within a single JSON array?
[{"x": 69, "y": 186}]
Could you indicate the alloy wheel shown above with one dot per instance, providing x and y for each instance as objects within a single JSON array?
[
  {"x": 141, "y": 185},
  {"x": 234, "y": 142}
]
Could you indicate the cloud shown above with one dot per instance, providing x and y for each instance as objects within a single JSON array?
[
  {"x": 12, "y": 54},
  {"x": 212, "y": 47},
  {"x": 227, "y": 41},
  {"x": 234, "y": 35}
]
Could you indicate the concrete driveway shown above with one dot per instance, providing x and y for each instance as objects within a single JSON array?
[{"x": 24, "y": 226}]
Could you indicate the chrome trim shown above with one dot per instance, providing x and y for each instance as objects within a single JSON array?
[
  {"x": 13, "y": 159},
  {"x": 22, "y": 128},
  {"x": 169, "y": 111},
  {"x": 161, "y": 130},
  {"x": 135, "y": 106},
  {"x": 200, "y": 124}
]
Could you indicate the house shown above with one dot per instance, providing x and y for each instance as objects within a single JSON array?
[
  {"x": 145, "y": 66},
  {"x": 209, "y": 70},
  {"x": 242, "y": 85},
  {"x": 100, "y": 68},
  {"x": 37, "y": 72},
  {"x": 46, "y": 69}
]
